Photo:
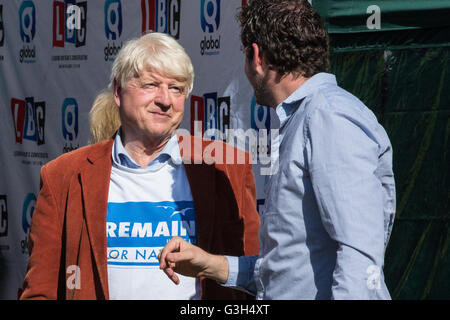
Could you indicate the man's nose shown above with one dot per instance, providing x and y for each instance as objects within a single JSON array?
[{"x": 162, "y": 98}]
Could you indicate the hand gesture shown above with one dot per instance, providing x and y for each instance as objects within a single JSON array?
[{"x": 179, "y": 256}]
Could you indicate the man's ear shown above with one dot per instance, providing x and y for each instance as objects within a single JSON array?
[
  {"x": 116, "y": 93},
  {"x": 258, "y": 62}
]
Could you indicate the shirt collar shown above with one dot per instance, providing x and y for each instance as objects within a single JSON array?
[
  {"x": 171, "y": 151},
  {"x": 286, "y": 108}
]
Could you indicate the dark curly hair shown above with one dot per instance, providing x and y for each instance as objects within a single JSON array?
[{"x": 290, "y": 34}]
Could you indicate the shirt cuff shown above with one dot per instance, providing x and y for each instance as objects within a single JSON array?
[
  {"x": 233, "y": 271},
  {"x": 240, "y": 273}
]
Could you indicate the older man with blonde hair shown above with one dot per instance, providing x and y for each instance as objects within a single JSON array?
[{"x": 105, "y": 211}]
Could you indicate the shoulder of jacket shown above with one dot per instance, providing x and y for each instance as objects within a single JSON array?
[{"x": 80, "y": 157}]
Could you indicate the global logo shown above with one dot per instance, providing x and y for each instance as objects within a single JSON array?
[
  {"x": 3, "y": 216},
  {"x": 210, "y": 15},
  {"x": 113, "y": 28},
  {"x": 69, "y": 23},
  {"x": 213, "y": 112},
  {"x": 27, "y": 14},
  {"x": 29, "y": 120},
  {"x": 260, "y": 116},
  {"x": 260, "y": 121},
  {"x": 27, "y": 27},
  {"x": 113, "y": 19},
  {"x": 70, "y": 124},
  {"x": 27, "y": 211},
  {"x": 27, "y": 214},
  {"x": 266, "y": 148},
  {"x": 161, "y": 16},
  {"x": 209, "y": 22}
]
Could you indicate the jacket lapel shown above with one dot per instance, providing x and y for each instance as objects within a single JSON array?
[
  {"x": 95, "y": 180},
  {"x": 201, "y": 177}
]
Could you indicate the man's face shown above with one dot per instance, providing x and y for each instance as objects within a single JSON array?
[{"x": 151, "y": 106}]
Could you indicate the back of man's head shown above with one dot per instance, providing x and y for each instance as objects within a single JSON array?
[{"x": 289, "y": 33}]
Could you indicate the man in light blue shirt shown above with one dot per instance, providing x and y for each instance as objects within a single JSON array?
[{"x": 330, "y": 206}]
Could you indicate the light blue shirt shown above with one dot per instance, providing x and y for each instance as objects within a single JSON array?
[
  {"x": 330, "y": 207},
  {"x": 171, "y": 151}
]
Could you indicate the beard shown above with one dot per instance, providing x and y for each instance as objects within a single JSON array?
[{"x": 261, "y": 91}]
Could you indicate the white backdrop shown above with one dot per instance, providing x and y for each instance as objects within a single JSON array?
[{"x": 50, "y": 75}]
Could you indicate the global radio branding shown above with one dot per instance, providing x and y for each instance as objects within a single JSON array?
[
  {"x": 69, "y": 30},
  {"x": 260, "y": 122},
  {"x": 210, "y": 22},
  {"x": 266, "y": 147},
  {"x": 161, "y": 16},
  {"x": 213, "y": 113},
  {"x": 27, "y": 213},
  {"x": 113, "y": 28},
  {"x": 3, "y": 216},
  {"x": 27, "y": 28},
  {"x": 69, "y": 124},
  {"x": 28, "y": 116}
]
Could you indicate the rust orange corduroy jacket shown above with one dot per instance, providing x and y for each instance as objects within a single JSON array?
[{"x": 69, "y": 221}]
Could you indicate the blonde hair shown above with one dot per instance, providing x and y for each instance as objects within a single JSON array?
[
  {"x": 104, "y": 117},
  {"x": 153, "y": 52}
]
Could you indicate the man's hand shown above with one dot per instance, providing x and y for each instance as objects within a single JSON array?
[{"x": 184, "y": 258}]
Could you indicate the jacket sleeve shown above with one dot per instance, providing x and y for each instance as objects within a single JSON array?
[
  {"x": 45, "y": 243},
  {"x": 241, "y": 268}
]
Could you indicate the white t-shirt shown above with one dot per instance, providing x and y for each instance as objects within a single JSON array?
[{"x": 146, "y": 208}]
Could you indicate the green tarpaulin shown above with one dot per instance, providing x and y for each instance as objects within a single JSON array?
[
  {"x": 343, "y": 16},
  {"x": 402, "y": 72}
]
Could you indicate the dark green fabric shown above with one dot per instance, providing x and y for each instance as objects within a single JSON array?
[
  {"x": 409, "y": 91},
  {"x": 350, "y": 16},
  {"x": 402, "y": 73}
]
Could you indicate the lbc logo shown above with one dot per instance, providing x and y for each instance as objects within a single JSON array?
[
  {"x": 213, "y": 112},
  {"x": 29, "y": 119},
  {"x": 161, "y": 16},
  {"x": 69, "y": 23}
]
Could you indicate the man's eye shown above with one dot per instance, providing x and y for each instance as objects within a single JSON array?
[
  {"x": 149, "y": 85},
  {"x": 178, "y": 90}
]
